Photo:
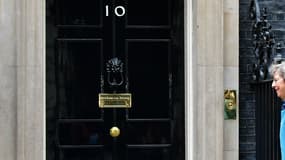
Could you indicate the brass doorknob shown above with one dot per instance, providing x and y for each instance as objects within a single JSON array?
[{"x": 114, "y": 131}]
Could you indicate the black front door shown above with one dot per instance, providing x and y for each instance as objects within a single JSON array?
[{"x": 116, "y": 47}]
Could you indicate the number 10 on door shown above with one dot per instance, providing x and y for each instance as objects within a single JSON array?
[{"x": 119, "y": 11}]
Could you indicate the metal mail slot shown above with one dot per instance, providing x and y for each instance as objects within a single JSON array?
[{"x": 115, "y": 100}]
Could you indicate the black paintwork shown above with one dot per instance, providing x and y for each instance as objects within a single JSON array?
[{"x": 149, "y": 41}]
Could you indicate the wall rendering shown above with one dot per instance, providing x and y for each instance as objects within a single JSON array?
[{"x": 23, "y": 79}]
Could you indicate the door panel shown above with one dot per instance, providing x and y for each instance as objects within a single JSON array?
[
  {"x": 148, "y": 13},
  {"x": 150, "y": 78},
  {"x": 152, "y": 132},
  {"x": 82, "y": 46},
  {"x": 74, "y": 13},
  {"x": 77, "y": 87},
  {"x": 82, "y": 154},
  {"x": 147, "y": 154},
  {"x": 80, "y": 133}
]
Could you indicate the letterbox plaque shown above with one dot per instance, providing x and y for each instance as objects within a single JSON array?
[{"x": 115, "y": 100}]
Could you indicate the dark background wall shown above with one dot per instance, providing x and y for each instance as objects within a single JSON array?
[{"x": 247, "y": 103}]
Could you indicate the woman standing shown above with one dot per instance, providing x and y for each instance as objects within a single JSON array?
[{"x": 278, "y": 84}]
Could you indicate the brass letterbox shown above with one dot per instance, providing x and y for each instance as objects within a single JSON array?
[{"x": 115, "y": 100}]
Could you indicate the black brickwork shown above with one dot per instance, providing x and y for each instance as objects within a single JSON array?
[{"x": 247, "y": 104}]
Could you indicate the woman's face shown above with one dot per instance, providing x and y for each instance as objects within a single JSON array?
[{"x": 278, "y": 85}]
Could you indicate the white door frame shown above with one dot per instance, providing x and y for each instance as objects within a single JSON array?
[{"x": 30, "y": 46}]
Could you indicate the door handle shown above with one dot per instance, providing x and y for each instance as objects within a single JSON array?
[{"x": 114, "y": 132}]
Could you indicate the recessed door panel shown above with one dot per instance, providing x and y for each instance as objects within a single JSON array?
[
  {"x": 80, "y": 133},
  {"x": 148, "y": 13},
  {"x": 77, "y": 77},
  {"x": 149, "y": 153},
  {"x": 146, "y": 133},
  {"x": 82, "y": 153},
  {"x": 151, "y": 77},
  {"x": 76, "y": 13}
]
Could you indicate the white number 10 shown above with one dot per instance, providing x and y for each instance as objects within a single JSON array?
[{"x": 119, "y": 11}]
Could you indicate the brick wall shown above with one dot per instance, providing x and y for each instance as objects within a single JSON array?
[{"x": 276, "y": 17}]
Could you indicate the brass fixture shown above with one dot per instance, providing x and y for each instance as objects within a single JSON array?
[{"x": 114, "y": 131}]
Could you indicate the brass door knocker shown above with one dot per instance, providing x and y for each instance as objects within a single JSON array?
[{"x": 114, "y": 68}]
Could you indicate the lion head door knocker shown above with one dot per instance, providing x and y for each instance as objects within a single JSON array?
[
  {"x": 114, "y": 68},
  {"x": 115, "y": 79}
]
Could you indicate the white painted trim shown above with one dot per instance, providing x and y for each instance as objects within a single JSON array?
[
  {"x": 44, "y": 77},
  {"x": 189, "y": 85}
]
